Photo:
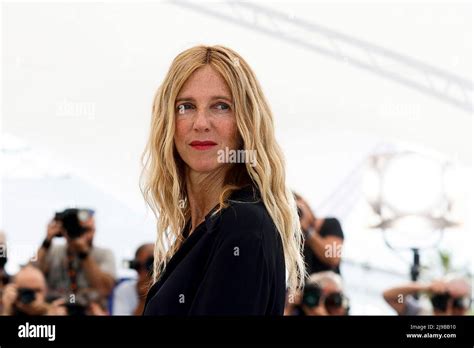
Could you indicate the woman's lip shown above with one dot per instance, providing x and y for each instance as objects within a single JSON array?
[
  {"x": 205, "y": 142},
  {"x": 203, "y": 147}
]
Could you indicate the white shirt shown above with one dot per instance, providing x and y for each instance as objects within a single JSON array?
[{"x": 125, "y": 298}]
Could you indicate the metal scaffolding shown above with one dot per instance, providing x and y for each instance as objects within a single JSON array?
[{"x": 385, "y": 63}]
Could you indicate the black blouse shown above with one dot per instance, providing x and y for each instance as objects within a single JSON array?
[{"x": 232, "y": 264}]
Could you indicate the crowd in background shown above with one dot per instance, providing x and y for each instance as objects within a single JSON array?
[
  {"x": 76, "y": 277},
  {"x": 79, "y": 278}
]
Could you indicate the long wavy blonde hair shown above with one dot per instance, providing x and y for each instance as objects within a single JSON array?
[{"x": 163, "y": 182}]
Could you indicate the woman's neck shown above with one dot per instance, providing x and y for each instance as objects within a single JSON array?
[{"x": 203, "y": 190}]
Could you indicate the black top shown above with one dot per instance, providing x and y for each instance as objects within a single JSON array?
[
  {"x": 232, "y": 264},
  {"x": 330, "y": 227}
]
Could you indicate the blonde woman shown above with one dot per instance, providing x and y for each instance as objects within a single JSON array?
[{"x": 228, "y": 235}]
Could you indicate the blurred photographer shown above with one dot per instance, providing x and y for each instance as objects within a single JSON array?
[
  {"x": 448, "y": 296},
  {"x": 4, "y": 276},
  {"x": 26, "y": 295},
  {"x": 322, "y": 295},
  {"x": 323, "y": 239},
  {"x": 78, "y": 264},
  {"x": 130, "y": 295}
]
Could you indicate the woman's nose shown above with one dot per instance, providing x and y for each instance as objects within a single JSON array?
[{"x": 201, "y": 121}]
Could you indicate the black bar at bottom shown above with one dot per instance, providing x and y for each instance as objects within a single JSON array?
[{"x": 134, "y": 331}]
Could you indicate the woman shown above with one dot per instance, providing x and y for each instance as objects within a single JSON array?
[{"x": 214, "y": 176}]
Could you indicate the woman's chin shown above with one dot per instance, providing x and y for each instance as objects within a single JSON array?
[{"x": 204, "y": 166}]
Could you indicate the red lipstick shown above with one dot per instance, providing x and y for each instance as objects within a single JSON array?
[{"x": 202, "y": 145}]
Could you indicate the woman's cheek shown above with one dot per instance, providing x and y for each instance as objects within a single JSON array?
[{"x": 229, "y": 133}]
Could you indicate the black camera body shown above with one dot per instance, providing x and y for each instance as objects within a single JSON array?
[
  {"x": 3, "y": 255},
  {"x": 440, "y": 302},
  {"x": 137, "y": 266},
  {"x": 71, "y": 221},
  {"x": 26, "y": 296},
  {"x": 3, "y": 261},
  {"x": 76, "y": 305},
  {"x": 76, "y": 309}
]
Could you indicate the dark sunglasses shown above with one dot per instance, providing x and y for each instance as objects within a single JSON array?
[{"x": 336, "y": 300}]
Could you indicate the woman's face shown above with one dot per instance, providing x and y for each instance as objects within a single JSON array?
[{"x": 205, "y": 121}]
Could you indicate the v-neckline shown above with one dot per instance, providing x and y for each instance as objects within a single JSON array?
[
  {"x": 190, "y": 239},
  {"x": 186, "y": 231},
  {"x": 187, "y": 227}
]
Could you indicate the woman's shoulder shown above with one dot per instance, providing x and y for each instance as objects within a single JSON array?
[
  {"x": 246, "y": 216},
  {"x": 247, "y": 223}
]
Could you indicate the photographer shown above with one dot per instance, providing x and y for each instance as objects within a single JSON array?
[
  {"x": 78, "y": 264},
  {"x": 322, "y": 295},
  {"x": 129, "y": 296},
  {"x": 4, "y": 276},
  {"x": 26, "y": 295},
  {"x": 448, "y": 296},
  {"x": 323, "y": 239}
]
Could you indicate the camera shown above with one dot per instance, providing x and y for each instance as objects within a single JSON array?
[
  {"x": 76, "y": 309},
  {"x": 76, "y": 304},
  {"x": 311, "y": 295},
  {"x": 440, "y": 302},
  {"x": 3, "y": 255},
  {"x": 3, "y": 261},
  {"x": 26, "y": 296},
  {"x": 71, "y": 220},
  {"x": 137, "y": 266}
]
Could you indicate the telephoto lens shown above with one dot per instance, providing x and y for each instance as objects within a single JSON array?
[{"x": 26, "y": 296}]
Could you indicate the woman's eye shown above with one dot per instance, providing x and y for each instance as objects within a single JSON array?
[
  {"x": 222, "y": 106},
  {"x": 182, "y": 108}
]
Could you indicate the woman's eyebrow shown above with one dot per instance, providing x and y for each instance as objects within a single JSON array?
[
  {"x": 212, "y": 98},
  {"x": 222, "y": 97},
  {"x": 184, "y": 99}
]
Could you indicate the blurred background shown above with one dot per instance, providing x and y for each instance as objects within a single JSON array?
[{"x": 372, "y": 104}]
